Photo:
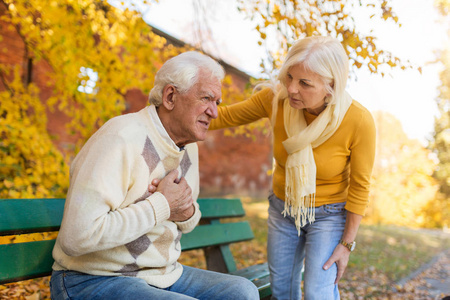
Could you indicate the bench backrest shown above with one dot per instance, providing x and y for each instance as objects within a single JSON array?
[{"x": 34, "y": 259}]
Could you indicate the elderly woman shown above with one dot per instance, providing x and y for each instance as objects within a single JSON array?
[{"x": 324, "y": 148}]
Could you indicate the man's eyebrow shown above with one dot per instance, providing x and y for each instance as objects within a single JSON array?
[{"x": 207, "y": 94}]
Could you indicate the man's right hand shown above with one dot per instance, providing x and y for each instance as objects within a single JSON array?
[{"x": 179, "y": 195}]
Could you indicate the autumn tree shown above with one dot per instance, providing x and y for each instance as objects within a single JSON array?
[
  {"x": 90, "y": 55},
  {"x": 440, "y": 143},
  {"x": 402, "y": 185},
  {"x": 280, "y": 23},
  {"x": 441, "y": 137},
  {"x": 94, "y": 53}
]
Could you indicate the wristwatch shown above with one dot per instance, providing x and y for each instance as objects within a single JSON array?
[{"x": 350, "y": 246}]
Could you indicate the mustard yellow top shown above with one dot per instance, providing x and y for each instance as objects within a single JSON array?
[{"x": 344, "y": 162}]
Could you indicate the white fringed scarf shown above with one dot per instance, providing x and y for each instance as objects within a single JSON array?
[{"x": 300, "y": 165}]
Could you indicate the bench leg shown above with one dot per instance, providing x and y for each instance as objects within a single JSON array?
[{"x": 220, "y": 259}]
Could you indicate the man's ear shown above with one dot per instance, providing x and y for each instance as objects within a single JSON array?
[{"x": 168, "y": 96}]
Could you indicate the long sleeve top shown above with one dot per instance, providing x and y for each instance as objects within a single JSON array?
[
  {"x": 344, "y": 162},
  {"x": 112, "y": 226}
]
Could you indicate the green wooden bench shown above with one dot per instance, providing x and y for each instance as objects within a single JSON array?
[{"x": 34, "y": 259}]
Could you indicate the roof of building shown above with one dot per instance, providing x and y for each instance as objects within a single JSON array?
[{"x": 179, "y": 43}]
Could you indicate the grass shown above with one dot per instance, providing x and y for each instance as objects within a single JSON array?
[
  {"x": 384, "y": 254},
  {"x": 395, "y": 251}
]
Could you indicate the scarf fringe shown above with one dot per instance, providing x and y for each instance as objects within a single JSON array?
[{"x": 299, "y": 204}]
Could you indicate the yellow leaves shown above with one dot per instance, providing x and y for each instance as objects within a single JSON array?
[
  {"x": 276, "y": 9},
  {"x": 291, "y": 20},
  {"x": 401, "y": 182},
  {"x": 118, "y": 45},
  {"x": 310, "y": 29},
  {"x": 8, "y": 184},
  {"x": 30, "y": 164},
  {"x": 391, "y": 63}
]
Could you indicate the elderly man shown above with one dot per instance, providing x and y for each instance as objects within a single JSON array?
[{"x": 118, "y": 240}]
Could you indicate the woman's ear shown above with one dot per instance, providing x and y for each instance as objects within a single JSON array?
[
  {"x": 332, "y": 88},
  {"x": 168, "y": 96}
]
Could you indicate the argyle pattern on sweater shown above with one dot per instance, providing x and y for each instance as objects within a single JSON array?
[{"x": 162, "y": 243}]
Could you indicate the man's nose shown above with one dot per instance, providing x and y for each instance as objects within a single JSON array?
[{"x": 212, "y": 111}]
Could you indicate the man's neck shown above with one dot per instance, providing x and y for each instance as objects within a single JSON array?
[{"x": 165, "y": 122}]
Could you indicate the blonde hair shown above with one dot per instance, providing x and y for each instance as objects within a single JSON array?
[{"x": 323, "y": 55}]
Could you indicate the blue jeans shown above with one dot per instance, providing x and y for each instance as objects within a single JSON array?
[
  {"x": 287, "y": 251},
  {"x": 193, "y": 284}
]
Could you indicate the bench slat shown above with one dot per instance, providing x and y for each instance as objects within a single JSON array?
[
  {"x": 39, "y": 258},
  {"x": 220, "y": 208},
  {"x": 39, "y": 215},
  {"x": 25, "y": 260},
  {"x": 259, "y": 275},
  {"x": 30, "y": 215},
  {"x": 216, "y": 234},
  {"x": 263, "y": 285},
  {"x": 253, "y": 272}
]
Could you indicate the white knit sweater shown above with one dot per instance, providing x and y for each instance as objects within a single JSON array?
[{"x": 111, "y": 225}]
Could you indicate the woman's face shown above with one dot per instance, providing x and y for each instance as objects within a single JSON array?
[{"x": 306, "y": 89}]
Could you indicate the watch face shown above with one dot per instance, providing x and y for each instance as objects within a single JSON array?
[{"x": 353, "y": 245}]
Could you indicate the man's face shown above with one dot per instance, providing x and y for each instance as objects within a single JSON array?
[{"x": 194, "y": 110}]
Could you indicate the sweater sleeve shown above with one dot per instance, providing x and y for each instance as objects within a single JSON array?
[
  {"x": 93, "y": 217},
  {"x": 361, "y": 163},
  {"x": 256, "y": 107},
  {"x": 189, "y": 224}
]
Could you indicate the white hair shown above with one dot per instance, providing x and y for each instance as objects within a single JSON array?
[
  {"x": 182, "y": 71},
  {"x": 324, "y": 56}
]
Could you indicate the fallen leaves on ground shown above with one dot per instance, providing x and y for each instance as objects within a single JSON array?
[{"x": 34, "y": 289}]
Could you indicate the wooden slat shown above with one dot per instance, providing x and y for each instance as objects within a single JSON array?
[
  {"x": 30, "y": 215},
  {"x": 25, "y": 260},
  {"x": 220, "y": 208},
  {"x": 40, "y": 215},
  {"x": 259, "y": 275},
  {"x": 216, "y": 234},
  {"x": 253, "y": 272},
  {"x": 263, "y": 285}
]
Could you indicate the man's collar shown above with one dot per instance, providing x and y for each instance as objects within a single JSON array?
[{"x": 160, "y": 127}]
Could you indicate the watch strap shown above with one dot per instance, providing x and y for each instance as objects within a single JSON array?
[{"x": 350, "y": 246}]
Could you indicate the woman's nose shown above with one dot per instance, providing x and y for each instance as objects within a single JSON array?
[{"x": 292, "y": 88}]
